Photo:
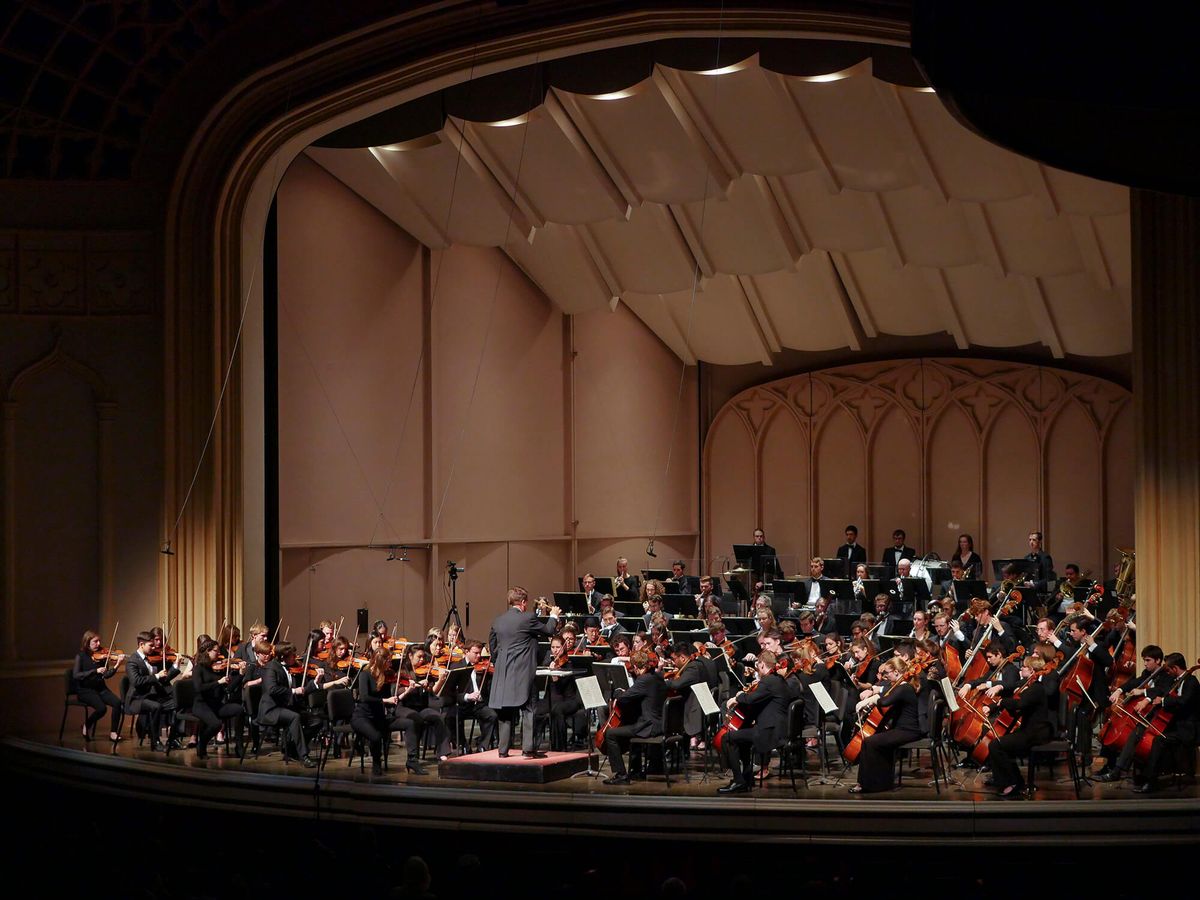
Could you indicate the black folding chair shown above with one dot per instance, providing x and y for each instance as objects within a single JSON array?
[
  {"x": 673, "y": 736},
  {"x": 72, "y": 699}
]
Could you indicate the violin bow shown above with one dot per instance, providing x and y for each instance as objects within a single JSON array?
[
  {"x": 111, "y": 644},
  {"x": 278, "y": 625}
]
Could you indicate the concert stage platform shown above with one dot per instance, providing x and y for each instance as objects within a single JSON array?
[
  {"x": 819, "y": 814},
  {"x": 514, "y": 769}
]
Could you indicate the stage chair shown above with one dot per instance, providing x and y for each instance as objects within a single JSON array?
[
  {"x": 71, "y": 699},
  {"x": 339, "y": 707},
  {"x": 183, "y": 690},
  {"x": 1053, "y": 749},
  {"x": 673, "y": 736},
  {"x": 795, "y": 742},
  {"x": 932, "y": 743}
]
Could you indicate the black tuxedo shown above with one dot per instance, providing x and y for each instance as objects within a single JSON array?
[
  {"x": 643, "y": 703},
  {"x": 695, "y": 672},
  {"x": 149, "y": 695},
  {"x": 276, "y": 708},
  {"x": 1043, "y": 574},
  {"x": 477, "y": 709},
  {"x": 766, "y": 706},
  {"x": 892, "y": 556},
  {"x": 853, "y": 554}
]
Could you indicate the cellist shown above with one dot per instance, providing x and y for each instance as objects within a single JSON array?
[
  {"x": 1183, "y": 702},
  {"x": 767, "y": 705},
  {"x": 1152, "y": 682},
  {"x": 1029, "y": 703},
  {"x": 877, "y": 759}
]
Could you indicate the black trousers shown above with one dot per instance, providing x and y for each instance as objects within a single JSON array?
[
  {"x": 1003, "y": 753},
  {"x": 559, "y": 713},
  {"x": 738, "y": 747},
  {"x": 98, "y": 701},
  {"x": 211, "y": 720},
  {"x": 154, "y": 710},
  {"x": 290, "y": 723},
  {"x": 373, "y": 730},
  {"x": 406, "y": 721},
  {"x": 616, "y": 742},
  {"x": 877, "y": 759},
  {"x": 483, "y": 714}
]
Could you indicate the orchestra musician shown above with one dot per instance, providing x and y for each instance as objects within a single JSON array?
[
  {"x": 609, "y": 626},
  {"x": 590, "y": 594},
  {"x": 1034, "y": 728},
  {"x": 898, "y": 551},
  {"x": 471, "y": 700},
  {"x": 422, "y": 699},
  {"x": 218, "y": 697},
  {"x": 688, "y": 584},
  {"x": 1152, "y": 682},
  {"x": 971, "y": 562},
  {"x": 766, "y": 707},
  {"x": 149, "y": 691},
  {"x": 765, "y": 561},
  {"x": 898, "y": 698},
  {"x": 653, "y": 599},
  {"x": 280, "y": 689},
  {"x": 339, "y": 671},
  {"x": 707, "y": 594},
  {"x": 690, "y": 669},
  {"x": 862, "y": 650},
  {"x": 920, "y": 626},
  {"x": 625, "y": 586},
  {"x": 1064, "y": 596},
  {"x": 592, "y": 637},
  {"x": 1181, "y": 697},
  {"x": 642, "y": 705},
  {"x": 258, "y": 632},
  {"x": 997, "y": 680},
  {"x": 372, "y": 694},
  {"x": 815, "y": 586},
  {"x": 851, "y": 551},
  {"x": 89, "y": 677},
  {"x": 562, "y": 698},
  {"x": 512, "y": 643},
  {"x": 1043, "y": 573}
]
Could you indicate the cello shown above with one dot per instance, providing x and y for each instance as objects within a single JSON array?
[
  {"x": 969, "y": 727},
  {"x": 874, "y": 719},
  {"x": 1006, "y": 720},
  {"x": 1157, "y": 726}
]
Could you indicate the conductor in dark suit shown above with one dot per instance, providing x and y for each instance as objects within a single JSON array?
[
  {"x": 851, "y": 551},
  {"x": 513, "y": 645},
  {"x": 767, "y": 707},
  {"x": 642, "y": 705}
]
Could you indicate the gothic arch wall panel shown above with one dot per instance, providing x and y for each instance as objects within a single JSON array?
[{"x": 934, "y": 446}]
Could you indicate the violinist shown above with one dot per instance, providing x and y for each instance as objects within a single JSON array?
[
  {"x": 280, "y": 692},
  {"x": 765, "y": 705},
  {"x": 642, "y": 705},
  {"x": 339, "y": 668},
  {"x": 1030, "y": 703},
  {"x": 93, "y": 667},
  {"x": 824, "y": 621},
  {"x": 325, "y": 643},
  {"x": 764, "y": 620},
  {"x": 689, "y": 670},
  {"x": 1182, "y": 700},
  {"x": 864, "y": 664},
  {"x": 807, "y": 624},
  {"x": 230, "y": 639},
  {"x": 592, "y": 636},
  {"x": 455, "y": 642},
  {"x": 901, "y": 724},
  {"x": 379, "y": 629},
  {"x": 472, "y": 695},
  {"x": 372, "y": 695},
  {"x": 807, "y": 672},
  {"x": 622, "y": 646},
  {"x": 218, "y": 697},
  {"x": 654, "y": 604},
  {"x": 933, "y": 673},
  {"x": 258, "y": 632},
  {"x": 641, "y": 641},
  {"x": 562, "y": 697},
  {"x": 149, "y": 688},
  {"x": 416, "y": 677}
]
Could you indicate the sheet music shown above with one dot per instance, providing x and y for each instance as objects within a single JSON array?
[
  {"x": 948, "y": 693},
  {"x": 703, "y": 693},
  {"x": 589, "y": 692},
  {"x": 559, "y": 673},
  {"x": 823, "y": 698}
]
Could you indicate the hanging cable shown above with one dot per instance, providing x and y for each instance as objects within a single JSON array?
[{"x": 687, "y": 339}]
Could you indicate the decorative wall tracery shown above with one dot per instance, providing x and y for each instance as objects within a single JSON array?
[
  {"x": 77, "y": 273},
  {"x": 990, "y": 448}
]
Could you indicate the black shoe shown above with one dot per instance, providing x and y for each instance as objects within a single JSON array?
[
  {"x": 735, "y": 787},
  {"x": 201, "y": 754},
  {"x": 173, "y": 744},
  {"x": 308, "y": 762},
  {"x": 376, "y": 770},
  {"x": 1111, "y": 775},
  {"x": 415, "y": 768},
  {"x": 503, "y": 754},
  {"x": 989, "y": 781},
  {"x": 617, "y": 779},
  {"x": 1146, "y": 787},
  {"x": 532, "y": 754}
]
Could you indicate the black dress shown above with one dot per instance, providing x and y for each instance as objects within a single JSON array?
[{"x": 877, "y": 760}]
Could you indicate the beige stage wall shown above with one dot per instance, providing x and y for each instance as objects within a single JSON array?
[
  {"x": 440, "y": 399},
  {"x": 933, "y": 446}
]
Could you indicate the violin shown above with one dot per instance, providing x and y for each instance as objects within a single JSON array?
[
  {"x": 298, "y": 668},
  {"x": 102, "y": 653},
  {"x": 225, "y": 663},
  {"x": 157, "y": 658},
  {"x": 559, "y": 662},
  {"x": 483, "y": 666}
]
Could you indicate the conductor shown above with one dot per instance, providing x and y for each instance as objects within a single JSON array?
[{"x": 513, "y": 645}]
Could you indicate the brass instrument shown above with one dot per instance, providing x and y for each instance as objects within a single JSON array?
[{"x": 1125, "y": 576}]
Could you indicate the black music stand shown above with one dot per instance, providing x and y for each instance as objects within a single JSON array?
[
  {"x": 572, "y": 603},
  {"x": 835, "y": 567},
  {"x": 1023, "y": 566}
]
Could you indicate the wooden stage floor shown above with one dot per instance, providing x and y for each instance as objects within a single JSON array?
[{"x": 822, "y": 811}]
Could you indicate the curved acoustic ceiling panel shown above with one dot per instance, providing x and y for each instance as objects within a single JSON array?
[{"x": 741, "y": 211}]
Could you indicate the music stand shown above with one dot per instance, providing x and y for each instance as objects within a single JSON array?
[
  {"x": 572, "y": 603},
  {"x": 842, "y": 590},
  {"x": 612, "y": 676},
  {"x": 738, "y": 625},
  {"x": 835, "y": 567},
  {"x": 679, "y": 604},
  {"x": 656, "y": 574},
  {"x": 1024, "y": 566},
  {"x": 593, "y": 702},
  {"x": 603, "y": 586}
]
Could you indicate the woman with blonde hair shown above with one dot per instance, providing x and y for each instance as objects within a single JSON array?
[{"x": 901, "y": 724}]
